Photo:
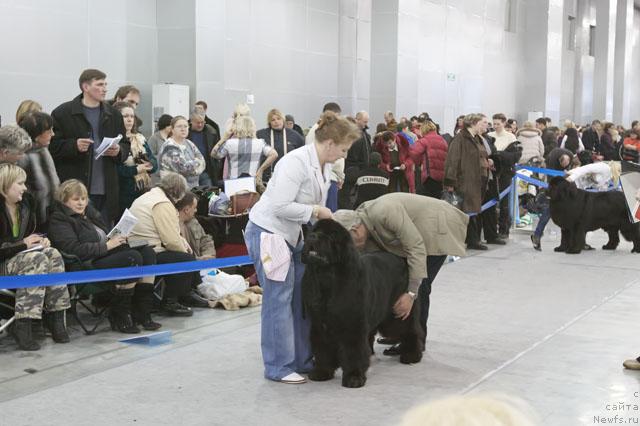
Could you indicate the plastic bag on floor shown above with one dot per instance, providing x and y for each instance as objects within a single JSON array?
[{"x": 217, "y": 284}]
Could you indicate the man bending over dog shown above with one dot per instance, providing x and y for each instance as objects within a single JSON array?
[{"x": 421, "y": 229}]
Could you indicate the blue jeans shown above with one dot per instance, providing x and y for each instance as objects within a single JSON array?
[
  {"x": 542, "y": 223},
  {"x": 285, "y": 343},
  {"x": 332, "y": 197}
]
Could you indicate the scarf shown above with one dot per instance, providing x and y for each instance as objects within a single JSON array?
[{"x": 142, "y": 179}]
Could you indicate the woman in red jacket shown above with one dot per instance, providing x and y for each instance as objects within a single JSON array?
[
  {"x": 394, "y": 149},
  {"x": 430, "y": 152}
]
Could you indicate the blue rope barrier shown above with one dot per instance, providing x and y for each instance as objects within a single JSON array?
[
  {"x": 99, "y": 275},
  {"x": 493, "y": 202},
  {"x": 549, "y": 172},
  {"x": 532, "y": 181}
]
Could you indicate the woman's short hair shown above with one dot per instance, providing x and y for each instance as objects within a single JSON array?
[
  {"x": 244, "y": 127},
  {"x": 36, "y": 123},
  {"x": 123, "y": 91},
  {"x": 164, "y": 121},
  {"x": 186, "y": 201},
  {"x": 607, "y": 126},
  {"x": 71, "y": 188},
  {"x": 472, "y": 119},
  {"x": 275, "y": 113},
  {"x": 381, "y": 127},
  {"x": 173, "y": 185},
  {"x": 241, "y": 110},
  {"x": 27, "y": 106},
  {"x": 388, "y": 136},
  {"x": 349, "y": 219},
  {"x": 10, "y": 174},
  {"x": 177, "y": 118},
  {"x": 428, "y": 126},
  {"x": 14, "y": 138},
  {"x": 339, "y": 129},
  {"x": 528, "y": 125},
  {"x": 500, "y": 116}
]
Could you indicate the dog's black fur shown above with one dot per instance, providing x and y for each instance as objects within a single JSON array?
[
  {"x": 349, "y": 297},
  {"x": 577, "y": 211}
]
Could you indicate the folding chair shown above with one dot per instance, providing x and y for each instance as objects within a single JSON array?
[{"x": 82, "y": 294}]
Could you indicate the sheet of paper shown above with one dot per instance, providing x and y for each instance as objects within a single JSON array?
[
  {"x": 106, "y": 144},
  {"x": 35, "y": 248},
  {"x": 231, "y": 186},
  {"x": 125, "y": 225}
]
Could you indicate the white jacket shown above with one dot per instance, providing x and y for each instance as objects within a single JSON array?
[
  {"x": 532, "y": 145},
  {"x": 297, "y": 184}
]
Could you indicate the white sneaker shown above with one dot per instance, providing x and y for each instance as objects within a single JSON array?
[{"x": 293, "y": 379}]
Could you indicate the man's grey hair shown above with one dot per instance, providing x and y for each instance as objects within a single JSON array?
[
  {"x": 14, "y": 138},
  {"x": 349, "y": 219},
  {"x": 197, "y": 112},
  {"x": 173, "y": 185}
]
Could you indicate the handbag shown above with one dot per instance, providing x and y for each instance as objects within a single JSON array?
[
  {"x": 242, "y": 201},
  {"x": 453, "y": 198}
]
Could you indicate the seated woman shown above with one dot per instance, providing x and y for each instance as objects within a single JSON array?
[
  {"x": 180, "y": 155},
  {"x": 135, "y": 173},
  {"x": 159, "y": 225},
  {"x": 18, "y": 226},
  {"x": 244, "y": 151},
  {"x": 42, "y": 178},
  {"x": 76, "y": 228}
]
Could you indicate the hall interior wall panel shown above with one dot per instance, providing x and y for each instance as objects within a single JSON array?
[
  {"x": 635, "y": 76},
  {"x": 210, "y": 44},
  {"x": 567, "y": 89}
]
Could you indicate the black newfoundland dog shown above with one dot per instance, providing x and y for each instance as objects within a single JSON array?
[
  {"x": 577, "y": 211},
  {"x": 349, "y": 297}
]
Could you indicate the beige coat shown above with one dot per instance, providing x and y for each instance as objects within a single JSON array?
[
  {"x": 157, "y": 222},
  {"x": 414, "y": 227}
]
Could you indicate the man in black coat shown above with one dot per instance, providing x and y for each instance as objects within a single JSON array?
[
  {"x": 590, "y": 137},
  {"x": 205, "y": 138},
  {"x": 79, "y": 126},
  {"x": 357, "y": 160},
  {"x": 207, "y": 119}
]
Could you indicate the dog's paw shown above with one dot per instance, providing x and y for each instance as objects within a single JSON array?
[
  {"x": 411, "y": 357},
  {"x": 559, "y": 249},
  {"x": 635, "y": 250},
  {"x": 318, "y": 375},
  {"x": 353, "y": 381},
  {"x": 573, "y": 251},
  {"x": 609, "y": 247}
]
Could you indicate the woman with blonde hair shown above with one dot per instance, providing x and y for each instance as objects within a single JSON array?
[
  {"x": 531, "y": 141},
  {"x": 76, "y": 228},
  {"x": 244, "y": 152},
  {"x": 296, "y": 194},
  {"x": 279, "y": 137},
  {"x": 135, "y": 172},
  {"x": 19, "y": 232},
  {"x": 25, "y": 107}
]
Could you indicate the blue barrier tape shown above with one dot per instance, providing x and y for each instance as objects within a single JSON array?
[
  {"x": 533, "y": 181},
  {"x": 99, "y": 275},
  {"x": 542, "y": 171},
  {"x": 493, "y": 202}
]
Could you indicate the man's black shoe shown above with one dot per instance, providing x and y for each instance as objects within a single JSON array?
[
  {"x": 387, "y": 341},
  {"x": 497, "y": 241},
  {"x": 392, "y": 351},
  {"x": 477, "y": 246},
  {"x": 536, "y": 242},
  {"x": 194, "y": 300},
  {"x": 175, "y": 309}
]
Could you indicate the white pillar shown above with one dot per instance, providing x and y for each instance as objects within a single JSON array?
[
  {"x": 622, "y": 63},
  {"x": 605, "y": 47}
]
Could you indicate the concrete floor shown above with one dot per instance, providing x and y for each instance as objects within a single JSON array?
[{"x": 550, "y": 328}]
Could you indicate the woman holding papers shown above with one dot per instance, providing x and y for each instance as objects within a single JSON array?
[
  {"x": 135, "y": 172},
  {"x": 24, "y": 252},
  {"x": 76, "y": 228},
  {"x": 296, "y": 194}
]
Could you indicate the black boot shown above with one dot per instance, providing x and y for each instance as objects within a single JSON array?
[
  {"x": 54, "y": 321},
  {"x": 172, "y": 308},
  {"x": 21, "y": 331},
  {"x": 120, "y": 312},
  {"x": 142, "y": 305}
]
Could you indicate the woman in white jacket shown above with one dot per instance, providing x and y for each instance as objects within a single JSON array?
[
  {"x": 532, "y": 145},
  {"x": 296, "y": 194}
]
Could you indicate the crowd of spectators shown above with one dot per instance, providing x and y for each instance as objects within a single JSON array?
[{"x": 61, "y": 196}]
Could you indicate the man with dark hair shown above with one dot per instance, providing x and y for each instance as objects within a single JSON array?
[
  {"x": 332, "y": 106},
  {"x": 504, "y": 141},
  {"x": 129, "y": 94},
  {"x": 548, "y": 136},
  {"x": 79, "y": 127},
  {"x": 591, "y": 136},
  {"x": 207, "y": 119},
  {"x": 205, "y": 138}
]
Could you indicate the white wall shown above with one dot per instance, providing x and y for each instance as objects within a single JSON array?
[
  {"x": 446, "y": 57},
  {"x": 46, "y": 44}
]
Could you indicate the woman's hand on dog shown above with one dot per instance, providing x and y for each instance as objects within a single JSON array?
[{"x": 402, "y": 307}]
